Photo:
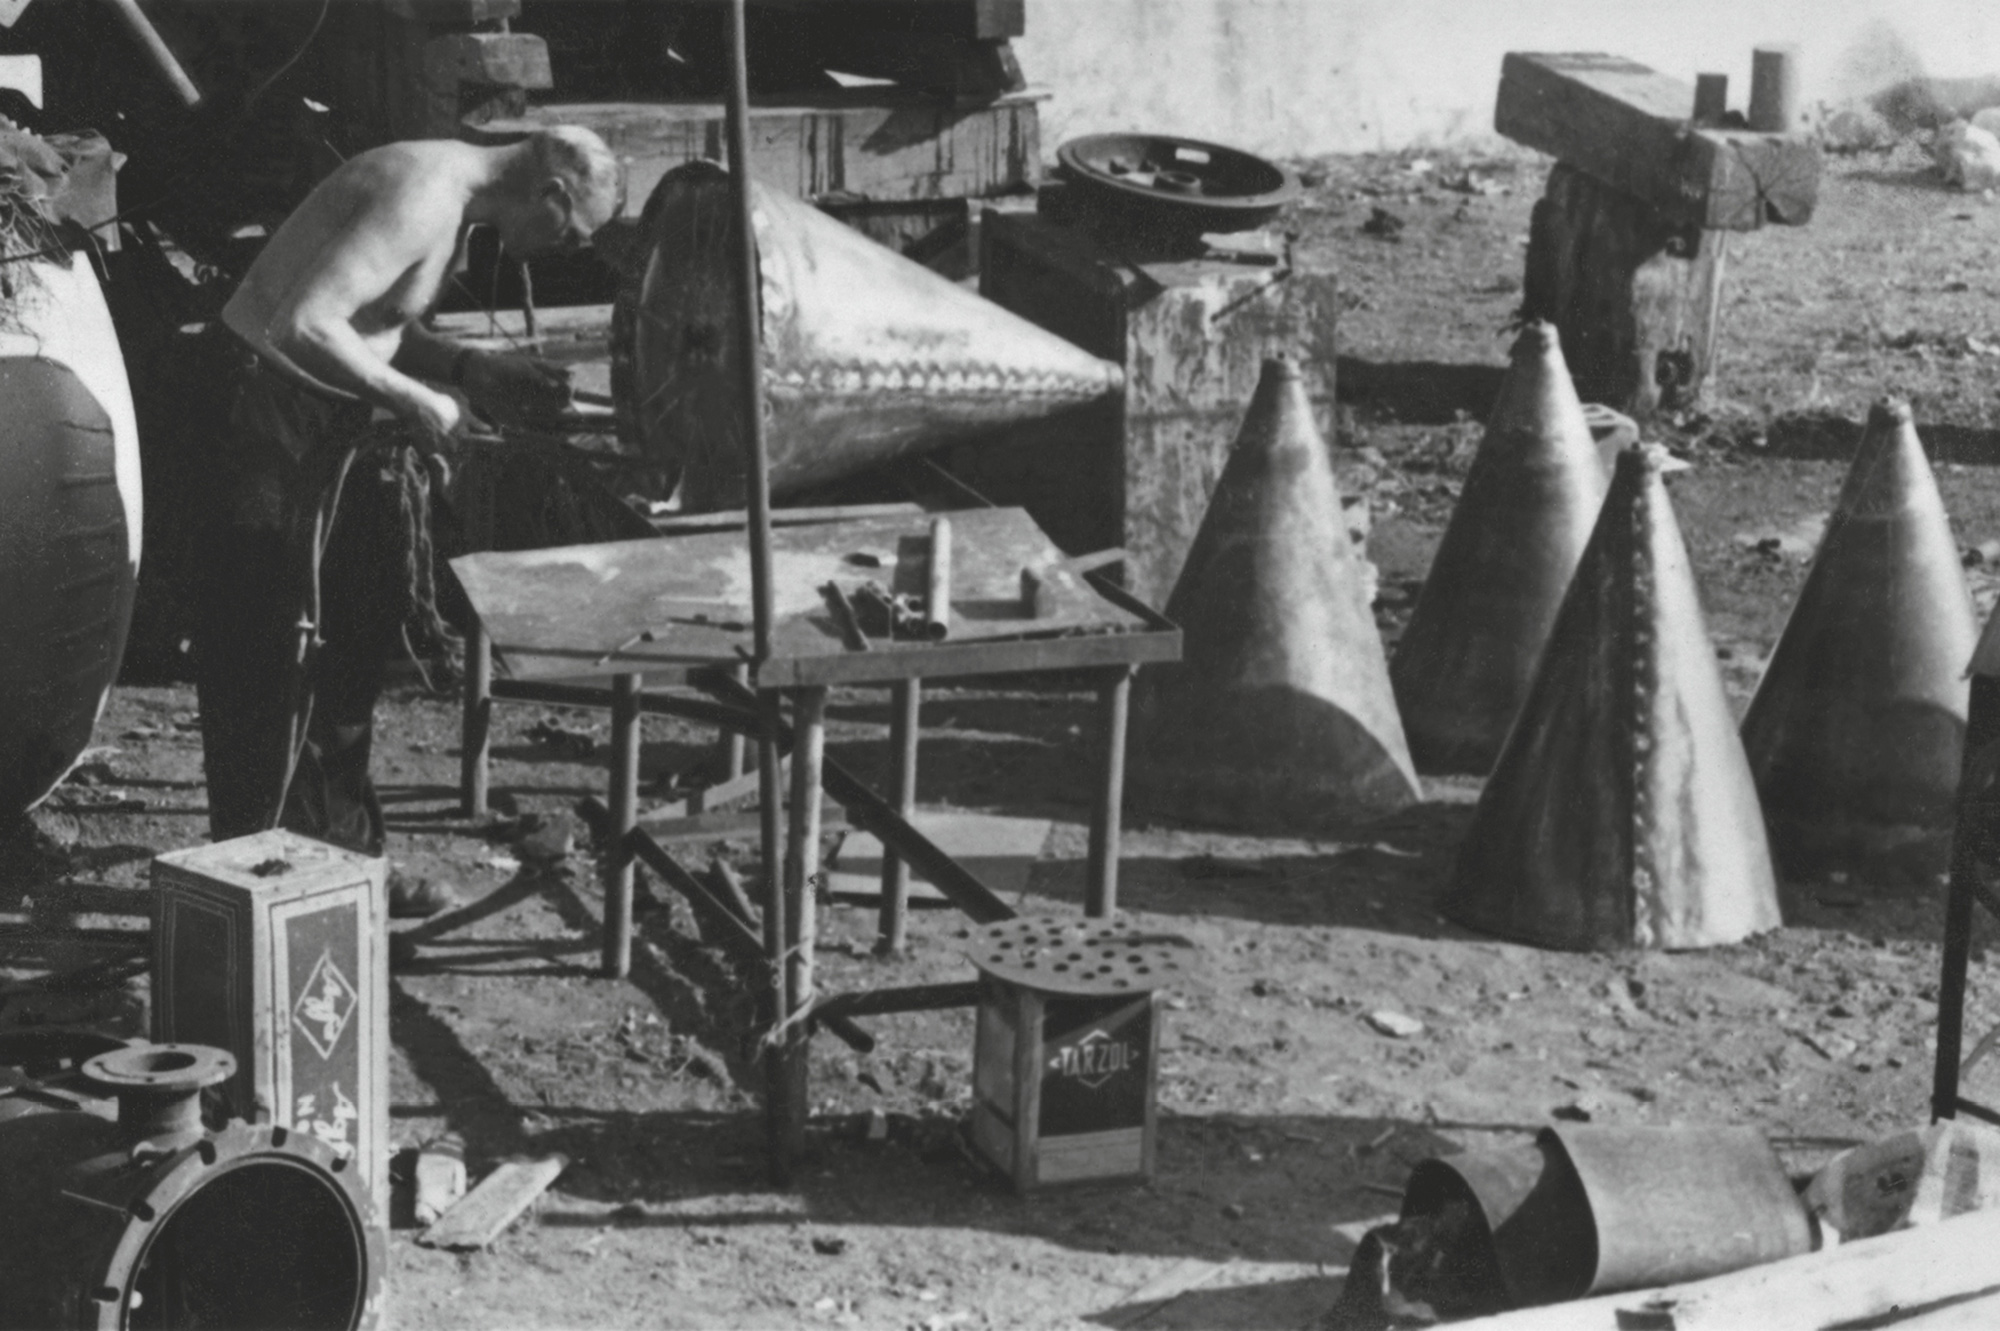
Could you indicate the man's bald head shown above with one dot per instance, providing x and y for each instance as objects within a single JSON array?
[
  {"x": 561, "y": 185},
  {"x": 582, "y": 160}
]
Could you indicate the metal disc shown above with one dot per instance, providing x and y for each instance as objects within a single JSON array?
[{"x": 1070, "y": 954}]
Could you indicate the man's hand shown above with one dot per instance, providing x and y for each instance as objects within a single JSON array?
[
  {"x": 437, "y": 413},
  {"x": 516, "y": 390}
]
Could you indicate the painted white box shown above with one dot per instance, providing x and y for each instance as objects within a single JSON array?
[{"x": 275, "y": 947}]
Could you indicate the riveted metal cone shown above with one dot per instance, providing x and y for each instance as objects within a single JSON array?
[
  {"x": 1469, "y": 653},
  {"x": 1279, "y": 714},
  {"x": 867, "y": 356},
  {"x": 1858, "y": 726},
  {"x": 1621, "y": 811}
]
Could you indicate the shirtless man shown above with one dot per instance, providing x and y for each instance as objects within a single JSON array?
[{"x": 301, "y": 599}]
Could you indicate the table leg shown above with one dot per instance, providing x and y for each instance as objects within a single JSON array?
[
  {"x": 738, "y": 745},
  {"x": 801, "y": 915},
  {"x": 905, "y": 701},
  {"x": 476, "y": 734},
  {"x": 624, "y": 801},
  {"x": 1114, "y": 697},
  {"x": 784, "y": 1075}
]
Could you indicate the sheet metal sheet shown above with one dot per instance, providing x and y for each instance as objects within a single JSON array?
[{"x": 577, "y": 609}]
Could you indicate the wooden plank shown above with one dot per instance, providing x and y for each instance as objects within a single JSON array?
[
  {"x": 882, "y": 143},
  {"x": 1632, "y": 128},
  {"x": 1910, "y": 1268},
  {"x": 482, "y": 1214},
  {"x": 905, "y": 998},
  {"x": 446, "y": 12}
]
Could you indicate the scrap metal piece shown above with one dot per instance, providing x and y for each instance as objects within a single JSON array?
[
  {"x": 1621, "y": 812},
  {"x": 1280, "y": 714},
  {"x": 1857, "y": 729},
  {"x": 868, "y": 356},
  {"x": 1468, "y": 656}
]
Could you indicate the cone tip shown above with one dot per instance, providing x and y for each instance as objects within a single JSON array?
[
  {"x": 1280, "y": 367},
  {"x": 1538, "y": 338},
  {"x": 1890, "y": 413}
]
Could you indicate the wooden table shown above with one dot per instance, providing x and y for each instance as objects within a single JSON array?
[{"x": 619, "y": 624}]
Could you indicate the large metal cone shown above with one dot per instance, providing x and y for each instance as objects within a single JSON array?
[
  {"x": 1858, "y": 725},
  {"x": 1279, "y": 714},
  {"x": 867, "y": 356},
  {"x": 1621, "y": 811},
  {"x": 1468, "y": 656}
]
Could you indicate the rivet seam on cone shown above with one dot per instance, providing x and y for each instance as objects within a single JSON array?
[
  {"x": 1645, "y": 689},
  {"x": 911, "y": 376}
]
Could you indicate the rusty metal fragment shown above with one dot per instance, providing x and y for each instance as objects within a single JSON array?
[
  {"x": 1857, "y": 729},
  {"x": 1621, "y": 811},
  {"x": 1530, "y": 500}
]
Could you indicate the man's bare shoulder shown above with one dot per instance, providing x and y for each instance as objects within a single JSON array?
[{"x": 401, "y": 174}]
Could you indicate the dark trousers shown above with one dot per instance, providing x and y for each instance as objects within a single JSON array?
[{"x": 251, "y": 600}]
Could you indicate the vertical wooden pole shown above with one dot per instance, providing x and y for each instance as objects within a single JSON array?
[
  {"x": 476, "y": 734},
  {"x": 801, "y": 911},
  {"x": 784, "y": 1076},
  {"x": 625, "y": 736},
  {"x": 1114, "y": 699},
  {"x": 905, "y": 702}
]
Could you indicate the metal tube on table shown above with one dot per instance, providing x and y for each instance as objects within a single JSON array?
[
  {"x": 476, "y": 734},
  {"x": 905, "y": 702},
  {"x": 625, "y": 723},
  {"x": 1100, "y": 893},
  {"x": 937, "y": 582},
  {"x": 162, "y": 57}
]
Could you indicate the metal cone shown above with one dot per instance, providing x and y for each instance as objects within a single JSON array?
[
  {"x": 1522, "y": 520},
  {"x": 868, "y": 356},
  {"x": 1279, "y": 714},
  {"x": 1621, "y": 812},
  {"x": 1858, "y": 726}
]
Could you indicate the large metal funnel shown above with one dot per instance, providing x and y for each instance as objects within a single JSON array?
[
  {"x": 1858, "y": 725},
  {"x": 1468, "y": 656},
  {"x": 867, "y": 356},
  {"x": 1279, "y": 714},
  {"x": 1621, "y": 811}
]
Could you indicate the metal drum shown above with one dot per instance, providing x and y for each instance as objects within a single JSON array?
[{"x": 69, "y": 521}]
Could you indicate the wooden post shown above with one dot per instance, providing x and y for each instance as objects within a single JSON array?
[
  {"x": 476, "y": 734},
  {"x": 625, "y": 736},
  {"x": 1114, "y": 697},
  {"x": 905, "y": 702},
  {"x": 802, "y": 917},
  {"x": 1634, "y": 298}
]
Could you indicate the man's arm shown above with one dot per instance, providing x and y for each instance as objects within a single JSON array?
[
  {"x": 510, "y": 389},
  {"x": 358, "y": 265}
]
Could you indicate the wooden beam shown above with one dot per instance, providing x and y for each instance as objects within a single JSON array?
[
  {"x": 1632, "y": 129},
  {"x": 482, "y": 1214},
  {"x": 1855, "y": 1282}
]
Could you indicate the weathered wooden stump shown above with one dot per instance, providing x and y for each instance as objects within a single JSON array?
[{"x": 1625, "y": 252}]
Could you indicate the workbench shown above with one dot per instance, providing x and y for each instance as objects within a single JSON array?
[{"x": 663, "y": 626}]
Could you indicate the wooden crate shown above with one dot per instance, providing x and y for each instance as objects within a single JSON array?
[
  {"x": 1191, "y": 334},
  {"x": 275, "y": 947},
  {"x": 1066, "y": 1058}
]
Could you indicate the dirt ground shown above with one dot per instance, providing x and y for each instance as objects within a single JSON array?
[{"x": 1286, "y": 1118}]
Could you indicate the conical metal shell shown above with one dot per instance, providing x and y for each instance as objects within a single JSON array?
[
  {"x": 1858, "y": 726},
  {"x": 867, "y": 356},
  {"x": 1621, "y": 811},
  {"x": 1279, "y": 715},
  {"x": 1530, "y": 500}
]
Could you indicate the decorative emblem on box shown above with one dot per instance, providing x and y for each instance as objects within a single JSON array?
[
  {"x": 326, "y": 1001},
  {"x": 1095, "y": 1059}
]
